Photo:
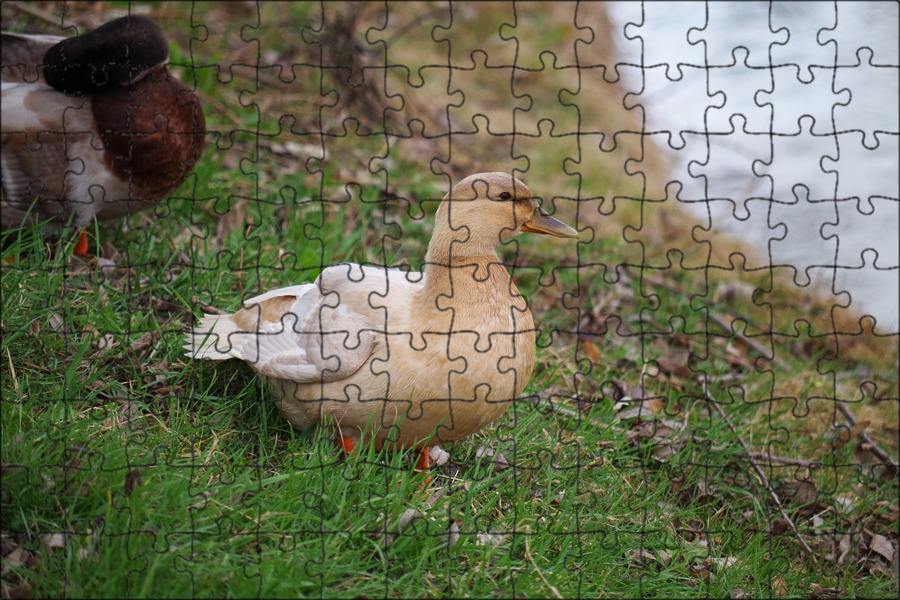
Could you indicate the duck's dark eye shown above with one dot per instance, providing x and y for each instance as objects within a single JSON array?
[{"x": 505, "y": 196}]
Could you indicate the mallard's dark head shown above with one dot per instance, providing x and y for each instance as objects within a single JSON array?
[{"x": 115, "y": 54}]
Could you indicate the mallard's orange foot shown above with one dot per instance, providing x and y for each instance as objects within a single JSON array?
[{"x": 81, "y": 247}]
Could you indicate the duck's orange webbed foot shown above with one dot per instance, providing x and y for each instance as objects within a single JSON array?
[
  {"x": 348, "y": 444},
  {"x": 424, "y": 462},
  {"x": 81, "y": 247}
]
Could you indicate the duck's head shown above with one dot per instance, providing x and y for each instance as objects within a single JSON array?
[
  {"x": 486, "y": 209},
  {"x": 115, "y": 54}
]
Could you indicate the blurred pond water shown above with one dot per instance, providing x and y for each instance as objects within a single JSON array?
[{"x": 784, "y": 116}]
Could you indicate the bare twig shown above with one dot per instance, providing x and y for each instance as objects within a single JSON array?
[
  {"x": 206, "y": 308},
  {"x": 876, "y": 449},
  {"x": 759, "y": 471},
  {"x": 722, "y": 322},
  {"x": 784, "y": 460}
]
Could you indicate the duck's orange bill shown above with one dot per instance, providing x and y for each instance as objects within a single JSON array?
[{"x": 541, "y": 222}]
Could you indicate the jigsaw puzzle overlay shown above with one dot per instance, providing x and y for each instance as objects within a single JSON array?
[{"x": 450, "y": 299}]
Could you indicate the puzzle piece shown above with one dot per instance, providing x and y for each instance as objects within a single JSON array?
[{"x": 701, "y": 388}]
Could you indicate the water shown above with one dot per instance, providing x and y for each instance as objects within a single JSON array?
[{"x": 800, "y": 102}]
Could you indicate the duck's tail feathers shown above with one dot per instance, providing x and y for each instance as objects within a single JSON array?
[{"x": 212, "y": 338}]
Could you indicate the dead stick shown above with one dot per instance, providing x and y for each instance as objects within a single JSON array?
[
  {"x": 876, "y": 449},
  {"x": 759, "y": 471},
  {"x": 800, "y": 462},
  {"x": 749, "y": 341}
]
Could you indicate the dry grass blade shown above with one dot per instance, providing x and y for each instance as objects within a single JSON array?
[{"x": 539, "y": 572}]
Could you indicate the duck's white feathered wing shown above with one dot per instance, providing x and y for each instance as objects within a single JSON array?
[{"x": 317, "y": 332}]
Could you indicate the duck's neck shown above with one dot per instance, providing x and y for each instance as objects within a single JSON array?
[{"x": 464, "y": 276}]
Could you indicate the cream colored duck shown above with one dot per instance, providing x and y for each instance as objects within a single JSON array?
[
  {"x": 413, "y": 359},
  {"x": 93, "y": 125}
]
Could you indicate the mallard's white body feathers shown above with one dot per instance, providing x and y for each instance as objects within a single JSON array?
[
  {"x": 411, "y": 358},
  {"x": 50, "y": 164}
]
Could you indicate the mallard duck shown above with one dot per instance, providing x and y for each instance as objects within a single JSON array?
[
  {"x": 93, "y": 126},
  {"x": 413, "y": 359}
]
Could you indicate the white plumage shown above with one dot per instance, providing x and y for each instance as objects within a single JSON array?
[{"x": 412, "y": 359}]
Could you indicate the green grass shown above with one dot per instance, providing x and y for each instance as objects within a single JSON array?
[
  {"x": 231, "y": 501},
  {"x": 128, "y": 468}
]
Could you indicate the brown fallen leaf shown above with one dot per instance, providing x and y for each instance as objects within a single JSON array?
[
  {"x": 160, "y": 305},
  {"x": 723, "y": 562},
  {"x": 844, "y": 547},
  {"x": 629, "y": 408},
  {"x": 858, "y": 428},
  {"x": 664, "y": 452},
  {"x": 840, "y": 436},
  {"x": 640, "y": 555},
  {"x": 59, "y": 324},
  {"x": 677, "y": 363},
  {"x": 54, "y": 540},
  {"x": 779, "y": 526},
  {"x": 592, "y": 351},
  {"x": 453, "y": 533},
  {"x": 805, "y": 493},
  {"x": 143, "y": 342},
  {"x": 13, "y": 560},
  {"x": 779, "y": 585},
  {"x": 106, "y": 342},
  {"x": 882, "y": 546},
  {"x": 817, "y": 591}
]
